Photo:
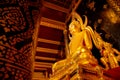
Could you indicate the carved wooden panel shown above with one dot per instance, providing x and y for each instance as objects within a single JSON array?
[{"x": 16, "y": 31}]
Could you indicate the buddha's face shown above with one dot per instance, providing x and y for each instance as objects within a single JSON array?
[{"x": 73, "y": 28}]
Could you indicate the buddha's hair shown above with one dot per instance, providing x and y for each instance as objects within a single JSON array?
[
  {"x": 75, "y": 23},
  {"x": 76, "y": 18}
]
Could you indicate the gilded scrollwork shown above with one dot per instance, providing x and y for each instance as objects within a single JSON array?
[{"x": 115, "y": 5}]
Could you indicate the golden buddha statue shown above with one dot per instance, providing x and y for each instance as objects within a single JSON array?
[
  {"x": 80, "y": 54},
  {"x": 79, "y": 38}
]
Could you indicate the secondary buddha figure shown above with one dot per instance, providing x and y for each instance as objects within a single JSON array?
[{"x": 110, "y": 57}]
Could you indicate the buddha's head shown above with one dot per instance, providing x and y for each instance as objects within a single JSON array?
[
  {"x": 77, "y": 24},
  {"x": 74, "y": 27}
]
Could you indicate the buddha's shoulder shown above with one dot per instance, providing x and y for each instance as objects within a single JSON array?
[{"x": 82, "y": 32}]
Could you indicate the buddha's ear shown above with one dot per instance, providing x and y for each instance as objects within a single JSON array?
[{"x": 86, "y": 21}]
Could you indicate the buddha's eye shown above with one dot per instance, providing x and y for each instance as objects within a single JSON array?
[
  {"x": 72, "y": 27},
  {"x": 70, "y": 35}
]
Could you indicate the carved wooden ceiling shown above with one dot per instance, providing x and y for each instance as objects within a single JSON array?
[{"x": 50, "y": 41}]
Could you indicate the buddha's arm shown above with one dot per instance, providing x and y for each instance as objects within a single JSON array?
[
  {"x": 67, "y": 52},
  {"x": 58, "y": 65},
  {"x": 87, "y": 40},
  {"x": 116, "y": 51},
  {"x": 94, "y": 36}
]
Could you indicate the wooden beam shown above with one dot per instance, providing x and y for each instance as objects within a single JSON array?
[
  {"x": 43, "y": 63},
  {"x": 47, "y": 50},
  {"x": 73, "y": 9},
  {"x": 37, "y": 68},
  {"x": 52, "y": 23},
  {"x": 49, "y": 41},
  {"x": 45, "y": 58},
  {"x": 55, "y": 7},
  {"x": 44, "y": 19},
  {"x": 43, "y": 66}
]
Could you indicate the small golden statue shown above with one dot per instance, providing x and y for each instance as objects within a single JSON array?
[
  {"x": 110, "y": 55},
  {"x": 79, "y": 59}
]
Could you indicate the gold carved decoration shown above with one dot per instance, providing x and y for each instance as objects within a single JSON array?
[{"x": 115, "y": 5}]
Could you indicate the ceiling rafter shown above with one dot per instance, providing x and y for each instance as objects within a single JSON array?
[
  {"x": 55, "y": 7},
  {"x": 43, "y": 63},
  {"x": 52, "y": 23},
  {"x": 47, "y": 50},
  {"x": 43, "y": 66},
  {"x": 44, "y": 19},
  {"x": 40, "y": 68},
  {"x": 45, "y": 58},
  {"x": 73, "y": 8},
  {"x": 49, "y": 41}
]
